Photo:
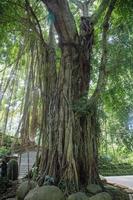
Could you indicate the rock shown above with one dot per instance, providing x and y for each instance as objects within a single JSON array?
[
  {"x": 24, "y": 188},
  {"x": 116, "y": 193},
  {"x": 32, "y": 194},
  {"x": 94, "y": 189},
  {"x": 128, "y": 190},
  {"x": 101, "y": 196},
  {"x": 78, "y": 196},
  {"x": 45, "y": 193}
]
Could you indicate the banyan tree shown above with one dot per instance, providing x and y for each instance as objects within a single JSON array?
[
  {"x": 59, "y": 82},
  {"x": 70, "y": 127}
]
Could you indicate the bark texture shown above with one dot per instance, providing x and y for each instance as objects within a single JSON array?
[{"x": 71, "y": 130}]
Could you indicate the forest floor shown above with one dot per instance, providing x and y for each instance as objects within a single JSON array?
[
  {"x": 9, "y": 191},
  {"x": 124, "y": 183}
]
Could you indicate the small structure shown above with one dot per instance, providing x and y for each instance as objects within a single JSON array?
[
  {"x": 26, "y": 162},
  {"x": 26, "y": 156}
]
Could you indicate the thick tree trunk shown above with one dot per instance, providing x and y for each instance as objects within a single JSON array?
[
  {"x": 71, "y": 133},
  {"x": 71, "y": 128}
]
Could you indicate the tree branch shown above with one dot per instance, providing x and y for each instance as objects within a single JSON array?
[
  {"x": 64, "y": 20},
  {"x": 102, "y": 70},
  {"x": 101, "y": 9},
  {"x": 39, "y": 31}
]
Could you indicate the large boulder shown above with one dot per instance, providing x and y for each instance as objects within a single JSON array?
[
  {"x": 24, "y": 188},
  {"x": 101, "y": 196},
  {"x": 32, "y": 194},
  {"x": 78, "y": 196},
  {"x": 45, "y": 193},
  {"x": 94, "y": 188}
]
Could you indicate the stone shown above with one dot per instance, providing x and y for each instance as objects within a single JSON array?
[
  {"x": 32, "y": 194},
  {"x": 45, "y": 193},
  {"x": 78, "y": 196},
  {"x": 101, "y": 196},
  {"x": 24, "y": 188},
  {"x": 94, "y": 188},
  {"x": 116, "y": 193},
  {"x": 128, "y": 190}
]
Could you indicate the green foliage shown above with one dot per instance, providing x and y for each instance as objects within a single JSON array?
[
  {"x": 7, "y": 141},
  {"x": 110, "y": 167},
  {"x": 4, "y": 151},
  {"x": 116, "y": 138},
  {"x": 34, "y": 173},
  {"x": 81, "y": 106}
]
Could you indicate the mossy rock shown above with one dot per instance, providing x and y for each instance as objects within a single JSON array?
[
  {"x": 101, "y": 196},
  {"x": 32, "y": 194},
  {"x": 94, "y": 188},
  {"x": 116, "y": 193},
  {"x": 24, "y": 188},
  {"x": 78, "y": 196},
  {"x": 45, "y": 193}
]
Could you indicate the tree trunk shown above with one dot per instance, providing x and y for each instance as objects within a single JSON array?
[
  {"x": 71, "y": 128},
  {"x": 71, "y": 132},
  {"x": 35, "y": 118}
]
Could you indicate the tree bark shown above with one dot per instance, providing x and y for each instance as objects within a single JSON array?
[{"x": 70, "y": 149}]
